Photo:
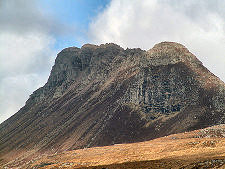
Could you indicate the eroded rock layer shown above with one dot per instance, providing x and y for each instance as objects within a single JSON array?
[{"x": 102, "y": 95}]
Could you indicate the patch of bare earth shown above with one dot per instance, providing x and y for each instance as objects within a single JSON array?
[{"x": 203, "y": 148}]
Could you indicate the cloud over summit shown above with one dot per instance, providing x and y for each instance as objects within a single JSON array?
[
  {"x": 30, "y": 30},
  {"x": 199, "y": 25}
]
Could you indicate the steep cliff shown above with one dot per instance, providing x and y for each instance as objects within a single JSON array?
[{"x": 102, "y": 95}]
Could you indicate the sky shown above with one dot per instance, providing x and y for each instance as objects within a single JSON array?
[{"x": 32, "y": 32}]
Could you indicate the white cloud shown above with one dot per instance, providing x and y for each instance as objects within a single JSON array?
[
  {"x": 25, "y": 62},
  {"x": 199, "y": 25},
  {"x": 26, "y": 16},
  {"x": 15, "y": 90},
  {"x": 27, "y": 36},
  {"x": 26, "y": 52}
]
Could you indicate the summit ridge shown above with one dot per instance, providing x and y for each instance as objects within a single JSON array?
[{"x": 101, "y": 95}]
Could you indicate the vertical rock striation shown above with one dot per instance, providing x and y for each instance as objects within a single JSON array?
[{"x": 102, "y": 95}]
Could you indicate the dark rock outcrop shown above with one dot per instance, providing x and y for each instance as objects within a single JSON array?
[{"x": 102, "y": 95}]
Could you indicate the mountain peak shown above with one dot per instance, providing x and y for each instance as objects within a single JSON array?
[
  {"x": 103, "y": 95},
  {"x": 170, "y": 45},
  {"x": 165, "y": 53},
  {"x": 88, "y": 45}
]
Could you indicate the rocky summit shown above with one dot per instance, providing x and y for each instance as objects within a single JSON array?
[{"x": 104, "y": 95}]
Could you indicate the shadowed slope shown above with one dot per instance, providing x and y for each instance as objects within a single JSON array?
[
  {"x": 197, "y": 149},
  {"x": 102, "y": 95}
]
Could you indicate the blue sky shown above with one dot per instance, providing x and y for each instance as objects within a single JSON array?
[
  {"x": 32, "y": 32},
  {"x": 76, "y": 14}
]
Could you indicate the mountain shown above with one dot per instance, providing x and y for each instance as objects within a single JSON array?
[{"x": 104, "y": 95}]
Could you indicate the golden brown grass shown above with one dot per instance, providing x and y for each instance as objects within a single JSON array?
[{"x": 187, "y": 150}]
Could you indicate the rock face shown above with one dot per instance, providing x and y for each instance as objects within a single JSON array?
[{"x": 103, "y": 95}]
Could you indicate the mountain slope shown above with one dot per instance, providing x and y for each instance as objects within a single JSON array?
[
  {"x": 202, "y": 148},
  {"x": 103, "y": 95}
]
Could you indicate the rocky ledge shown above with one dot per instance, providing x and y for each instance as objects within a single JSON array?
[{"x": 103, "y": 95}]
